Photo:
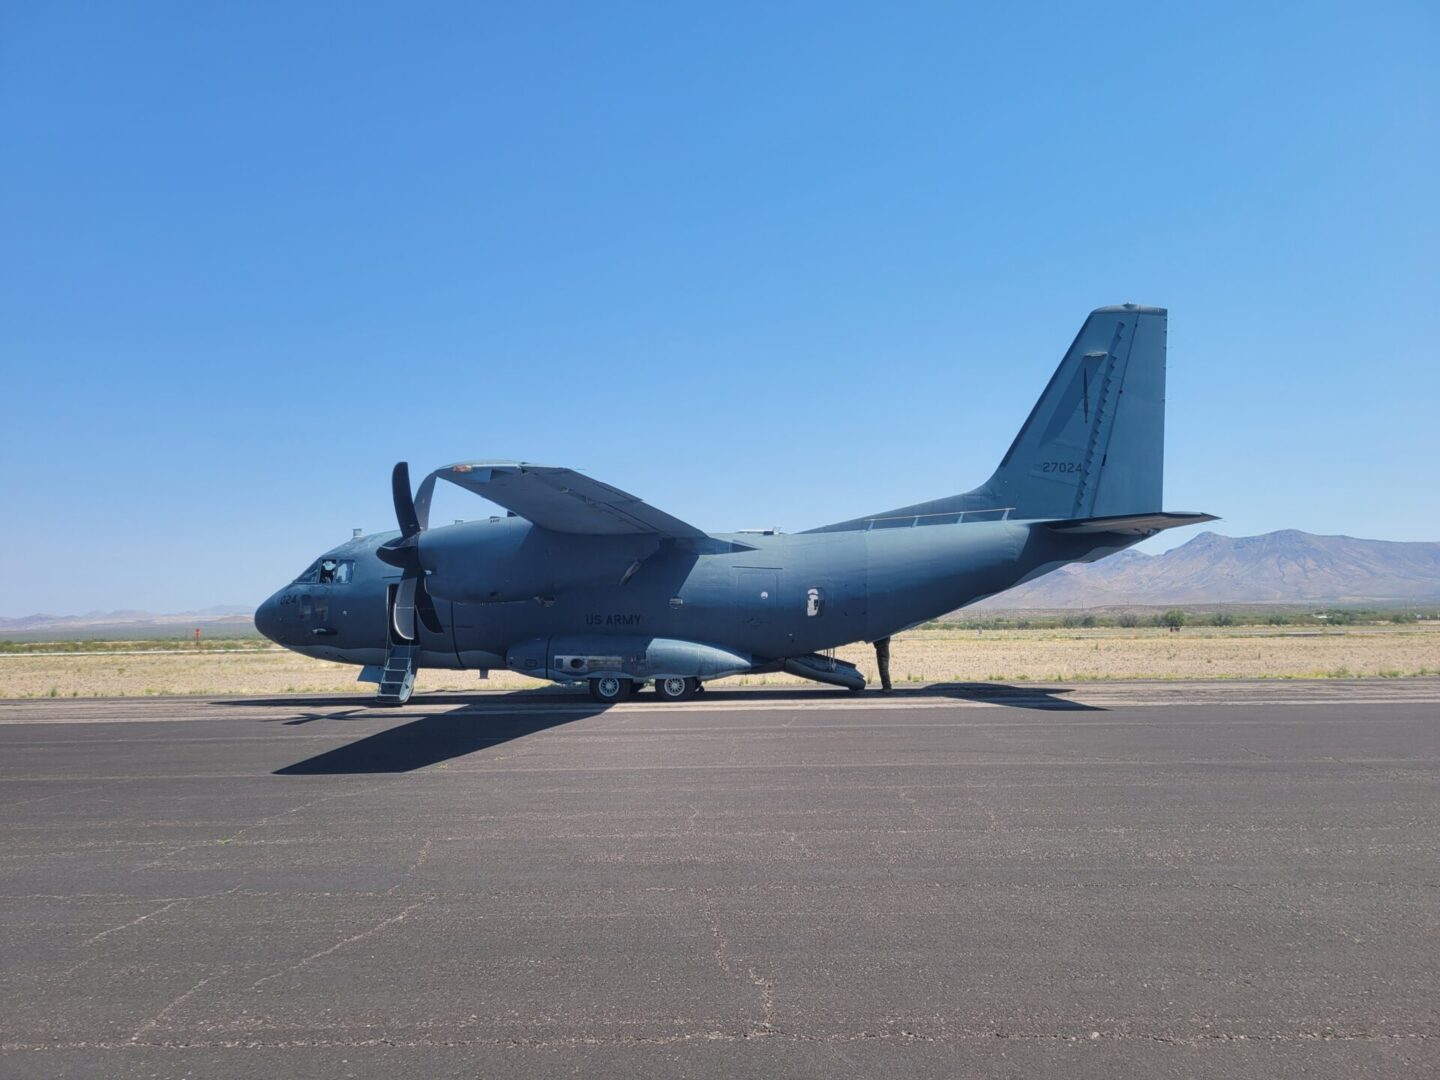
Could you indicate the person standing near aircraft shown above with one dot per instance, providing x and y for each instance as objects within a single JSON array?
[{"x": 882, "y": 663}]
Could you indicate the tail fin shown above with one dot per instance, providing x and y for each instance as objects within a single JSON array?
[{"x": 1094, "y": 445}]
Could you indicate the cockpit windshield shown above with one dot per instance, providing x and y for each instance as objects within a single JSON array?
[{"x": 327, "y": 571}]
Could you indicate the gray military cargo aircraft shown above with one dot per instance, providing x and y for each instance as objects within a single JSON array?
[{"x": 581, "y": 583}]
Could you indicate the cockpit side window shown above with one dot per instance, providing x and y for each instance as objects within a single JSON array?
[
  {"x": 327, "y": 571},
  {"x": 335, "y": 571}
]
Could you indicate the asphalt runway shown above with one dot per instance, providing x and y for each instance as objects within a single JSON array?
[{"x": 1210, "y": 880}]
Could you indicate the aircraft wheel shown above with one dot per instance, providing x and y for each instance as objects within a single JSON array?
[
  {"x": 611, "y": 689},
  {"x": 676, "y": 688}
]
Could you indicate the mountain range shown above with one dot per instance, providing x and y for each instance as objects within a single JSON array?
[
  {"x": 1285, "y": 567},
  {"x": 42, "y": 621}
]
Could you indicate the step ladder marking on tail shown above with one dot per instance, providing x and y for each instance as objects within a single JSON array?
[{"x": 1102, "y": 423}]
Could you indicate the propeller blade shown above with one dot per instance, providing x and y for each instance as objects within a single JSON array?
[
  {"x": 423, "y": 495},
  {"x": 404, "y": 501},
  {"x": 404, "y": 614},
  {"x": 412, "y": 512},
  {"x": 426, "y": 607},
  {"x": 397, "y": 553}
]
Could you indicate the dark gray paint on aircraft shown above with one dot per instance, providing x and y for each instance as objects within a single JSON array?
[{"x": 582, "y": 582}]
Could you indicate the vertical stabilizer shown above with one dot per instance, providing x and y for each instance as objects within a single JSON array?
[{"x": 1094, "y": 444}]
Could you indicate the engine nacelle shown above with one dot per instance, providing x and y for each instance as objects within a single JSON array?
[{"x": 503, "y": 559}]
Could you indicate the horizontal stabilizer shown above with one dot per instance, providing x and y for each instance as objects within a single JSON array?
[{"x": 1132, "y": 524}]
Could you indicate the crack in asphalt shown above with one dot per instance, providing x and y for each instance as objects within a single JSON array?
[{"x": 352, "y": 939}]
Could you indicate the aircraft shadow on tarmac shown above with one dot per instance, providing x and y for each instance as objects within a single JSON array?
[
  {"x": 428, "y": 741},
  {"x": 479, "y": 724},
  {"x": 1020, "y": 697}
]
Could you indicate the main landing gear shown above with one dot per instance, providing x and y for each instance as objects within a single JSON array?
[
  {"x": 613, "y": 689},
  {"x": 676, "y": 688}
]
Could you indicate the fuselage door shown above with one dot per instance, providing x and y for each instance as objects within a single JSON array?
[{"x": 756, "y": 597}]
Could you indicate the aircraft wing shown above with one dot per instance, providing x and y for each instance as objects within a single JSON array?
[{"x": 564, "y": 500}]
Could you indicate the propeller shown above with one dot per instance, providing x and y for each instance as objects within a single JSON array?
[{"x": 413, "y": 515}]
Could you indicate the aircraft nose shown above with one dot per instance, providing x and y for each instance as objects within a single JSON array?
[{"x": 267, "y": 619}]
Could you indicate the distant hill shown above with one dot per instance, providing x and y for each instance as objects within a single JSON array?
[
  {"x": 109, "y": 620},
  {"x": 1286, "y": 567}
]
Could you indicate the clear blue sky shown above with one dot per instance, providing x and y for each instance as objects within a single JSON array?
[{"x": 760, "y": 264}]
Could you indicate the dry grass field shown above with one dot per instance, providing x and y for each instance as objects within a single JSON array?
[{"x": 926, "y": 655}]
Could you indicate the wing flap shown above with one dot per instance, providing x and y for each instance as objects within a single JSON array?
[{"x": 564, "y": 500}]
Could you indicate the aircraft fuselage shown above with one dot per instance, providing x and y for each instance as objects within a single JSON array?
[{"x": 767, "y": 596}]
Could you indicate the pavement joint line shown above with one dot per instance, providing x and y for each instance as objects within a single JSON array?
[
  {"x": 617, "y": 735},
  {"x": 1036, "y": 704},
  {"x": 759, "y": 1032},
  {"x": 967, "y": 761}
]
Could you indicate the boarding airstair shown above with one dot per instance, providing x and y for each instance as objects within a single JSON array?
[{"x": 397, "y": 678}]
